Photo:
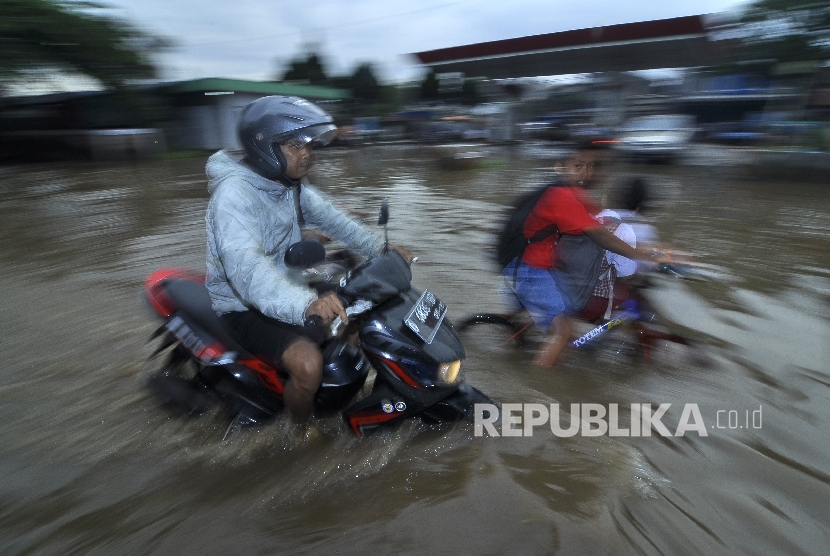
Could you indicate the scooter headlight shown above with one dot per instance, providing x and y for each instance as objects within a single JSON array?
[{"x": 448, "y": 372}]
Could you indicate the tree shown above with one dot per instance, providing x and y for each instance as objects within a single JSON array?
[
  {"x": 364, "y": 84},
  {"x": 775, "y": 34},
  {"x": 59, "y": 35},
  {"x": 309, "y": 70}
]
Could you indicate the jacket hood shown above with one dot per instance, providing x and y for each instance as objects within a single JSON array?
[{"x": 221, "y": 166}]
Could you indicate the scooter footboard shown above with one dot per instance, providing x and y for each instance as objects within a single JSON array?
[{"x": 383, "y": 406}]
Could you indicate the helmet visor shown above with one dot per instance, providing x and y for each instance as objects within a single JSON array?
[{"x": 316, "y": 136}]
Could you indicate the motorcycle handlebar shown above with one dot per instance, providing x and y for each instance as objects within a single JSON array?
[
  {"x": 679, "y": 271},
  {"x": 318, "y": 331}
]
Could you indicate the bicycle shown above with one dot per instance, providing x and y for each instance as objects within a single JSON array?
[{"x": 513, "y": 328}]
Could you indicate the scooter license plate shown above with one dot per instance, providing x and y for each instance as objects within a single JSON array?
[{"x": 426, "y": 316}]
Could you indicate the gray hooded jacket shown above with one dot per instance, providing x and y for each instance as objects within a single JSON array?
[{"x": 251, "y": 222}]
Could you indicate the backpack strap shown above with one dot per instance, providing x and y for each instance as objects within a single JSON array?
[
  {"x": 300, "y": 218},
  {"x": 544, "y": 233},
  {"x": 540, "y": 235},
  {"x": 547, "y": 231},
  {"x": 607, "y": 315}
]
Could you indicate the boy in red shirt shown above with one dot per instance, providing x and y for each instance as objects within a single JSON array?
[{"x": 570, "y": 211}]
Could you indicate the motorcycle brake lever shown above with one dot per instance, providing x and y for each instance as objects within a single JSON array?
[{"x": 358, "y": 307}]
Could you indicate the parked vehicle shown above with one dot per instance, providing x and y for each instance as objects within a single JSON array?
[{"x": 657, "y": 138}]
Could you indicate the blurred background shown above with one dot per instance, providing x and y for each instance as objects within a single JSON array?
[
  {"x": 108, "y": 112},
  {"x": 112, "y": 80}
]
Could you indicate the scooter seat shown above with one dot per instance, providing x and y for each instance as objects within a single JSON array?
[{"x": 193, "y": 299}]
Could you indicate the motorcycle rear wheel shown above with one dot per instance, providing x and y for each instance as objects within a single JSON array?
[{"x": 177, "y": 384}]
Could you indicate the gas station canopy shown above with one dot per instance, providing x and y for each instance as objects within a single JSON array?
[{"x": 667, "y": 43}]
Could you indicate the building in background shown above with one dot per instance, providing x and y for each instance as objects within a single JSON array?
[
  {"x": 137, "y": 124},
  {"x": 205, "y": 111}
]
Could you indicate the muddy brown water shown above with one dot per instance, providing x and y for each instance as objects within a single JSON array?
[{"x": 91, "y": 464}]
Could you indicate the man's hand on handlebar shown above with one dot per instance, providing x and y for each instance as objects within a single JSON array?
[{"x": 327, "y": 306}]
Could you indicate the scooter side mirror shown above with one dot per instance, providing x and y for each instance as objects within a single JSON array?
[
  {"x": 305, "y": 253},
  {"x": 383, "y": 217}
]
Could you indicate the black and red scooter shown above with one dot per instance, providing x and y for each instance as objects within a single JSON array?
[{"x": 403, "y": 335}]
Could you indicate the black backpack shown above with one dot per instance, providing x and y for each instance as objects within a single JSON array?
[
  {"x": 511, "y": 240},
  {"x": 578, "y": 258}
]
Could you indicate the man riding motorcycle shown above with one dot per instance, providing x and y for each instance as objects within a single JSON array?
[{"x": 257, "y": 207}]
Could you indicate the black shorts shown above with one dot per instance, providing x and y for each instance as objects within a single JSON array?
[{"x": 261, "y": 335}]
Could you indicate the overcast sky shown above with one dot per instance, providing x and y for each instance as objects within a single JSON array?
[{"x": 256, "y": 39}]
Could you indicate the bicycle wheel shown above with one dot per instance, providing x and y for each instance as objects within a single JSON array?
[
  {"x": 493, "y": 332},
  {"x": 665, "y": 347}
]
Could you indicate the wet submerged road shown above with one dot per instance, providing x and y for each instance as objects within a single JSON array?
[{"x": 92, "y": 465}]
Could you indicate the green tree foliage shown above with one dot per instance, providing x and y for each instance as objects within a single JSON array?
[
  {"x": 308, "y": 70},
  {"x": 364, "y": 84},
  {"x": 774, "y": 34},
  {"x": 49, "y": 35}
]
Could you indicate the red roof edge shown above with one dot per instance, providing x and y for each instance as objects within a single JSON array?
[{"x": 644, "y": 30}]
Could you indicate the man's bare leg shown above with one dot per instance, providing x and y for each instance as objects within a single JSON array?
[
  {"x": 304, "y": 363},
  {"x": 559, "y": 333}
]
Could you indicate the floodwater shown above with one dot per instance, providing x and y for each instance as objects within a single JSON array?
[{"x": 92, "y": 465}]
